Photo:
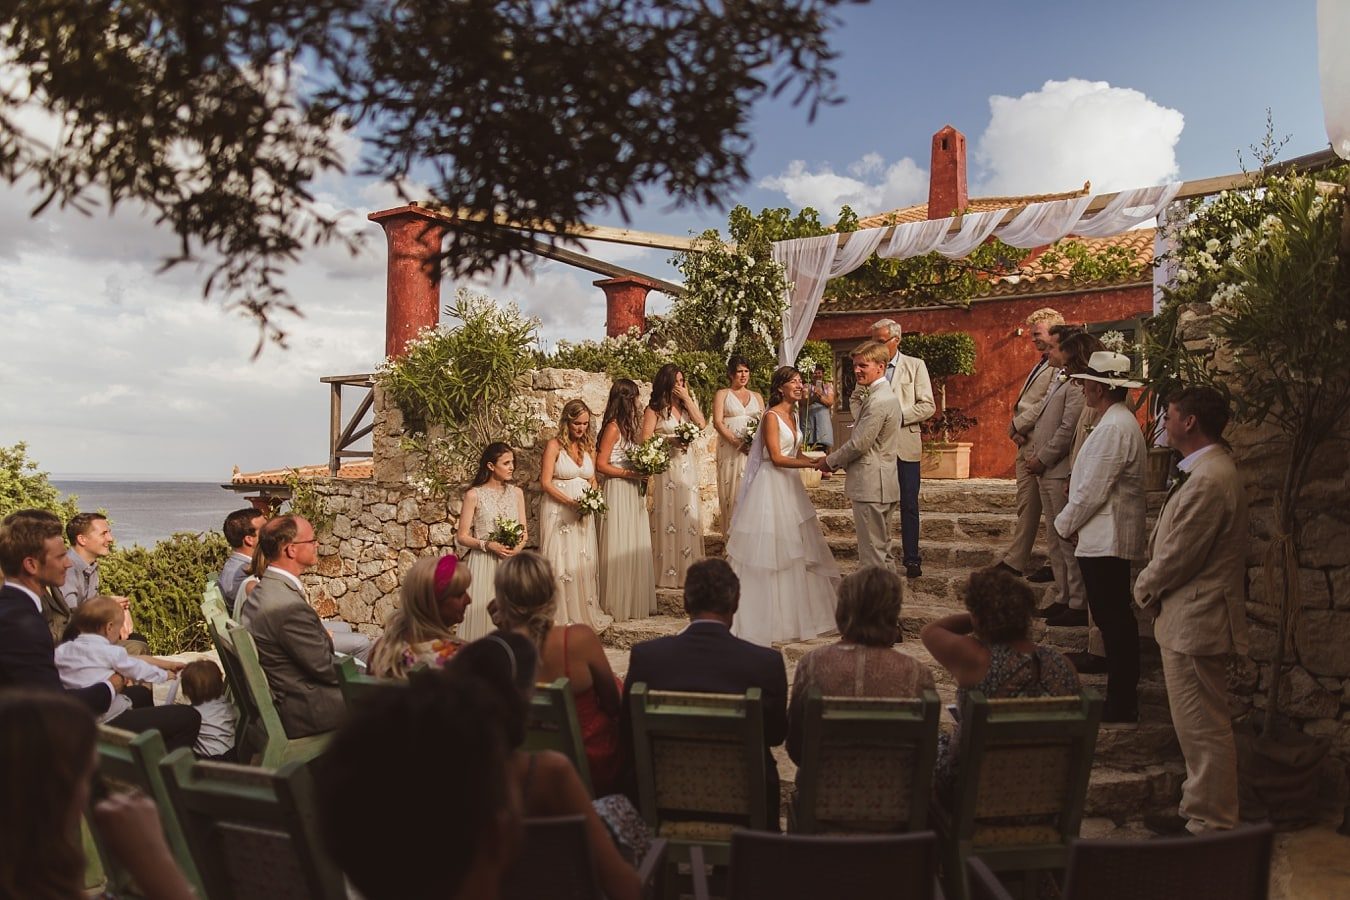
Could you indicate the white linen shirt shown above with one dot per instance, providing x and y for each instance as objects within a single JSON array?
[
  {"x": 92, "y": 659},
  {"x": 1106, "y": 507}
]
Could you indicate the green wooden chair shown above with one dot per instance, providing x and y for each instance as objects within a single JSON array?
[
  {"x": 1023, "y": 767},
  {"x": 268, "y": 743},
  {"x": 700, "y": 767},
  {"x": 553, "y": 725},
  {"x": 554, "y": 860},
  {"x": 357, "y": 687},
  {"x": 214, "y": 607},
  {"x": 867, "y": 765},
  {"x": 246, "y": 713},
  {"x": 253, "y": 833},
  {"x": 131, "y": 759}
]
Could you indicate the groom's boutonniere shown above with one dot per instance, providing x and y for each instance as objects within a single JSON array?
[
  {"x": 1179, "y": 480},
  {"x": 1062, "y": 377},
  {"x": 863, "y": 393}
]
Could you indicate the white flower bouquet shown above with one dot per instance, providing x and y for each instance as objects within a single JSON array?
[
  {"x": 651, "y": 457},
  {"x": 591, "y": 501},
  {"x": 507, "y": 532},
  {"x": 751, "y": 427},
  {"x": 687, "y": 432}
]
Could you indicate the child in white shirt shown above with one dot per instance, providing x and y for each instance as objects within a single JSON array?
[
  {"x": 205, "y": 688},
  {"x": 91, "y": 656}
]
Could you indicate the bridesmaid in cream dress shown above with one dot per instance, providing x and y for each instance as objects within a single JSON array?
[
  {"x": 733, "y": 408},
  {"x": 627, "y": 579},
  {"x": 492, "y": 496},
  {"x": 567, "y": 540},
  {"x": 677, "y": 523}
]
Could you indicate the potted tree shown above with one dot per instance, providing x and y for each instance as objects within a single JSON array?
[{"x": 946, "y": 354}]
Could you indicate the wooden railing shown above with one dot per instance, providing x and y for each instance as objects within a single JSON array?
[{"x": 342, "y": 436}]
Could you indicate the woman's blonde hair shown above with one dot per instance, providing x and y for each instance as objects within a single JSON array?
[
  {"x": 418, "y": 618},
  {"x": 525, "y": 590},
  {"x": 572, "y": 411}
]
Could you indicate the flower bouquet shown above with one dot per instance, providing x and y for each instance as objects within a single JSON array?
[
  {"x": 591, "y": 501},
  {"x": 751, "y": 427},
  {"x": 507, "y": 532},
  {"x": 687, "y": 432},
  {"x": 651, "y": 457}
]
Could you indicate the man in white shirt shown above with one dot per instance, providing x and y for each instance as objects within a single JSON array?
[
  {"x": 908, "y": 377},
  {"x": 1104, "y": 519},
  {"x": 241, "y": 533}
]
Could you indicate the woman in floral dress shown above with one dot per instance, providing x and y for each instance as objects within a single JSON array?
[
  {"x": 491, "y": 498},
  {"x": 567, "y": 538},
  {"x": 733, "y": 409},
  {"x": 627, "y": 581},
  {"x": 677, "y": 522}
]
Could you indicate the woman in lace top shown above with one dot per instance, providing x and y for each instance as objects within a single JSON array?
[{"x": 491, "y": 502}]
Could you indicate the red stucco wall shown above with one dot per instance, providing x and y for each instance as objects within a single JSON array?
[{"x": 1002, "y": 358}]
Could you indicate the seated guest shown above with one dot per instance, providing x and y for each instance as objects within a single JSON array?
[
  {"x": 707, "y": 658},
  {"x": 293, "y": 646},
  {"x": 90, "y": 657},
  {"x": 91, "y": 539},
  {"x": 988, "y": 649},
  {"x": 547, "y": 780},
  {"x": 525, "y": 603},
  {"x": 33, "y": 559},
  {"x": 47, "y": 766},
  {"x": 864, "y": 662},
  {"x": 437, "y": 748},
  {"x": 204, "y": 686},
  {"x": 241, "y": 533},
  {"x": 434, "y": 596}
]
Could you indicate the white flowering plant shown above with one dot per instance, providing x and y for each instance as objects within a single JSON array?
[
  {"x": 507, "y": 532},
  {"x": 687, "y": 432},
  {"x": 591, "y": 502}
]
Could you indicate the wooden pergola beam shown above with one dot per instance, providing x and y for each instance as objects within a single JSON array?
[{"x": 598, "y": 266}]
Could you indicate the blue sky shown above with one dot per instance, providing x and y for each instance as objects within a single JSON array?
[{"x": 132, "y": 374}]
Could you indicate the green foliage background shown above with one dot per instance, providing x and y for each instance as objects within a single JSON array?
[
  {"x": 945, "y": 353},
  {"x": 165, "y": 586},
  {"x": 24, "y": 486}
]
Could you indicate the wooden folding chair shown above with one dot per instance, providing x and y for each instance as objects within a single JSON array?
[
  {"x": 276, "y": 747},
  {"x": 553, "y": 725},
  {"x": 357, "y": 687},
  {"x": 555, "y": 861},
  {"x": 867, "y": 765},
  {"x": 253, "y": 833},
  {"x": 1023, "y": 768}
]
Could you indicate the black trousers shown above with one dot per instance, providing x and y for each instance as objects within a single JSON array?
[
  {"x": 1106, "y": 580},
  {"x": 176, "y": 723}
]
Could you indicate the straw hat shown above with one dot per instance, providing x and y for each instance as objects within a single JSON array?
[{"x": 1111, "y": 369}]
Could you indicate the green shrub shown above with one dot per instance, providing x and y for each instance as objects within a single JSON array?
[
  {"x": 639, "y": 357},
  {"x": 24, "y": 486},
  {"x": 165, "y": 586},
  {"x": 946, "y": 354}
]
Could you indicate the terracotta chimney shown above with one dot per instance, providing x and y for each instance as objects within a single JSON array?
[
  {"x": 413, "y": 277},
  {"x": 625, "y": 304},
  {"x": 947, "y": 174}
]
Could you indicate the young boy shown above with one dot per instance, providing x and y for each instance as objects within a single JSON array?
[
  {"x": 91, "y": 656},
  {"x": 205, "y": 688}
]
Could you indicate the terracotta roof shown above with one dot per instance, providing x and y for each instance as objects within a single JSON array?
[
  {"x": 279, "y": 477},
  {"x": 1036, "y": 277},
  {"x": 919, "y": 212}
]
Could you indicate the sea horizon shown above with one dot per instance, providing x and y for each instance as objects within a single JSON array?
[{"x": 146, "y": 510}]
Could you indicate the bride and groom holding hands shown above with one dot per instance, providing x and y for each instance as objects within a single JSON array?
[{"x": 788, "y": 575}]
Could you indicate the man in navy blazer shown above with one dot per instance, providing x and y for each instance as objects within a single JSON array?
[
  {"x": 706, "y": 657},
  {"x": 33, "y": 558}
]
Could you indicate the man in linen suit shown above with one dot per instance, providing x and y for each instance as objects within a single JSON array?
[
  {"x": 1194, "y": 584},
  {"x": 868, "y": 456},
  {"x": 707, "y": 658},
  {"x": 1026, "y": 408},
  {"x": 293, "y": 646},
  {"x": 913, "y": 389},
  {"x": 1104, "y": 519},
  {"x": 1045, "y": 457}
]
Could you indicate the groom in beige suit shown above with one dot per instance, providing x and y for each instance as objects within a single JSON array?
[
  {"x": 869, "y": 454},
  {"x": 908, "y": 377},
  {"x": 1195, "y": 584}
]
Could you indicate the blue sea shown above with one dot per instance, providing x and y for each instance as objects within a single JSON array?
[{"x": 146, "y": 512}]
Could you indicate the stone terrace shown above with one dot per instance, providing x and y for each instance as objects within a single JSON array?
[{"x": 966, "y": 525}]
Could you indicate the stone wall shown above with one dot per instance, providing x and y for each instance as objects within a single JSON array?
[{"x": 381, "y": 526}]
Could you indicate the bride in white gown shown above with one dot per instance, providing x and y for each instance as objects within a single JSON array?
[{"x": 788, "y": 575}]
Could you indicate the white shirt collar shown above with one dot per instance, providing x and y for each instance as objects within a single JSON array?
[
  {"x": 1189, "y": 462},
  {"x": 37, "y": 601},
  {"x": 880, "y": 379},
  {"x": 299, "y": 585},
  {"x": 244, "y": 556}
]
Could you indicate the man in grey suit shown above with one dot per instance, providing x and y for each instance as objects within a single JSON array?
[
  {"x": 913, "y": 389},
  {"x": 293, "y": 646},
  {"x": 869, "y": 455},
  {"x": 1194, "y": 584}
]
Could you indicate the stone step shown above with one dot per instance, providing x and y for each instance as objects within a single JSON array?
[
  {"x": 961, "y": 554},
  {"x": 1122, "y": 794},
  {"x": 972, "y": 495},
  {"x": 991, "y": 528}
]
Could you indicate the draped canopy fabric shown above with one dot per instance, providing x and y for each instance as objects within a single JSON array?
[
  {"x": 1333, "y": 24},
  {"x": 811, "y": 262}
]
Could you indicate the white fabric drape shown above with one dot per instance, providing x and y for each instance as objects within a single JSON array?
[
  {"x": 1333, "y": 63},
  {"x": 811, "y": 262}
]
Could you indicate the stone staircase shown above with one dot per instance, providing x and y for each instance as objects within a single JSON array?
[{"x": 966, "y": 525}]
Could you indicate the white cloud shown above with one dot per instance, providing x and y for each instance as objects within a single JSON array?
[
  {"x": 871, "y": 186},
  {"x": 1073, "y": 131}
]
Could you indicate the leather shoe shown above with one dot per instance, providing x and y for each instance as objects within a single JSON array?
[
  {"x": 912, "y": 570},
  {"x": 1166, "y": 825},
  {"x": 1087, "y": 663},
  {"x": 1043, "y": 575},
  {"x": 1004, "y": 567},
  {"x": 1054, "y": 610},
  {"x": 1068, "y": 618}
]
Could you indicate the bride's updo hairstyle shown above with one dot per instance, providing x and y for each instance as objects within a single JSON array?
[
  {"x": 525, "y": 587},
  {"x": 781, "y": 376}
]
